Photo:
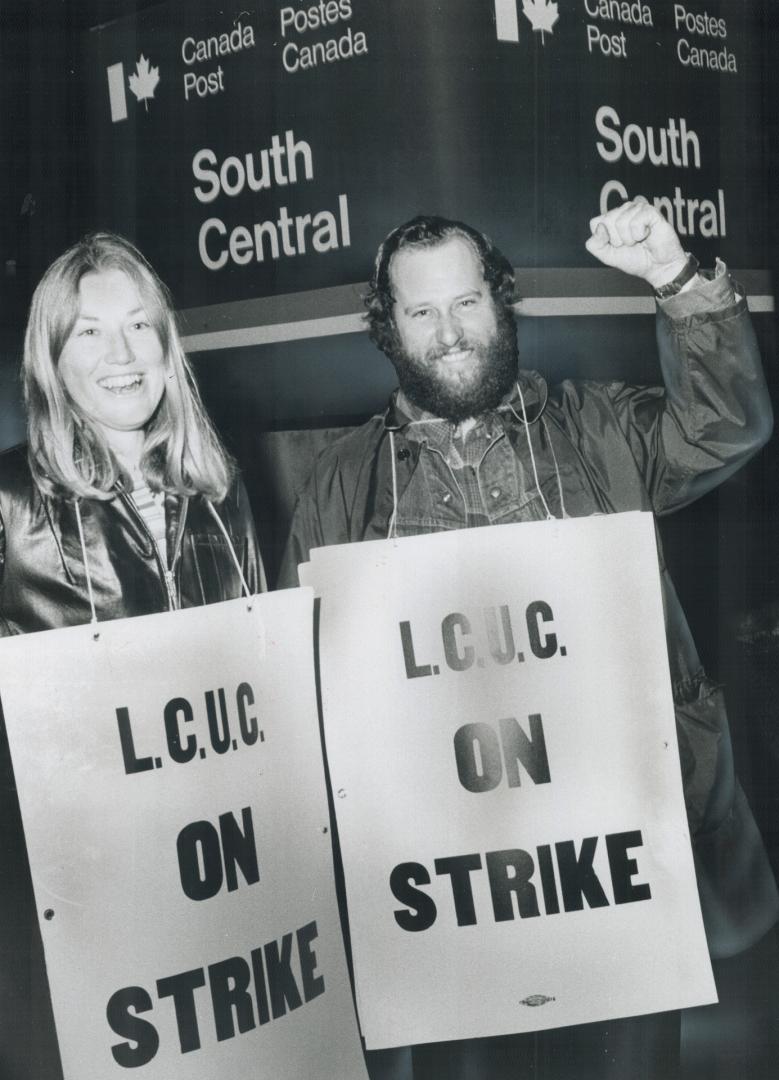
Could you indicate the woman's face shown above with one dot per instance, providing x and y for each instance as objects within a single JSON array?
[{"x": 113, "y": 364}]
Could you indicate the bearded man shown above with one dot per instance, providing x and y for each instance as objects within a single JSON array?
[{"x": 469, "y": 439}]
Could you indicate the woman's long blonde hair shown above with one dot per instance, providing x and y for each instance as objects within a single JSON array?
[{"x": 68, "y": 453}]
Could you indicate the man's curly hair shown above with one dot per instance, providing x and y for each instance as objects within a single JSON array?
[{"x": 429, "y": 230}]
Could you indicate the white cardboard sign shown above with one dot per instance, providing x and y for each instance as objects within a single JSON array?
[
  {"x": 502, "y": 746},
  {"x": 172, "y": 791}
]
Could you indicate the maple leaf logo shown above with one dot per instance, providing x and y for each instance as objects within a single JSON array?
[
  {"x": 144, "y": 82},
  {"x": 542, "y": 15}
]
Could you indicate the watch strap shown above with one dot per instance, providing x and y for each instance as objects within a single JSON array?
[{"x": 687, "y": 273}]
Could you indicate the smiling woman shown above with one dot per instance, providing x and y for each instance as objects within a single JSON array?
[
  {"x": 113, "y": 365},
  {"x": 124, "y": 502}
]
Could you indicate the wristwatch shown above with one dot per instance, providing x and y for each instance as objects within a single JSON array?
[{"x": 687, "y": 273}]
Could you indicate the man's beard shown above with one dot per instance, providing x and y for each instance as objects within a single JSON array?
[{"x": 493, "y": 373}]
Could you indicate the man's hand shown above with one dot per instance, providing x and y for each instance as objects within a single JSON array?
[{"x": 637, "y": 239}]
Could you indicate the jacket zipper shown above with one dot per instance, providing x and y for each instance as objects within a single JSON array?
[
  {"x": 170, "y": 583},
  {"x": 170, "y": 579},
  {"x": 168, "y": 576}
]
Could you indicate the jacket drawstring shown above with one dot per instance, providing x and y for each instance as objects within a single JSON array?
[
  {"x": 392, "y": 531},
  {"x": 244, "y": 585},
  {"x": 556, "y": 468},
  {"x": 91, "y": 595},
  {"x": 549, "y": 514}
]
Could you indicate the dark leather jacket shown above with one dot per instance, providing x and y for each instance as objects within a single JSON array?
[{"x": 43, "y": 576}]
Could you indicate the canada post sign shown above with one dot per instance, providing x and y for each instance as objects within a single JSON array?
[{"x": 228, "y": 144}]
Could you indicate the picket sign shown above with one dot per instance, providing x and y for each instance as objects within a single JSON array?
[
  {"x": 501, "y": 740},
  {"x": 170, "y": 778}
]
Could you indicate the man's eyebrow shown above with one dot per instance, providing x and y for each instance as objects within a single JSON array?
[{"x": 476, "y": 291}]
